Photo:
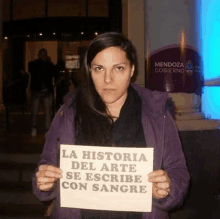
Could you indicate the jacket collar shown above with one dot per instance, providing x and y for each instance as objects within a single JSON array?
[{"x": 155, "y": 101}]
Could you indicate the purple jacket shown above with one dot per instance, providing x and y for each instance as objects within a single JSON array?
[{"x": 160, "y": 132}]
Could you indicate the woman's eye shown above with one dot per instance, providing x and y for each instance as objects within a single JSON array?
[
  {"x": 98, "y": 68},
  {"x": 120, "y": 68}
]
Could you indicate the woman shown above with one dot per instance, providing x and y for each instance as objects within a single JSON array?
[{"x": 124, "y": 115}]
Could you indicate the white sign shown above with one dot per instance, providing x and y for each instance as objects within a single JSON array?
[
  {"x": 106, "y": 178},
  {"x": 72, "y": 61}
]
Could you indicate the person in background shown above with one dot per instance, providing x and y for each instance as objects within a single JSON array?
[
  {"x": 24, "y": 80},
  {"x": 42, "y": 71},
  {"x": 108, "y": 110}
]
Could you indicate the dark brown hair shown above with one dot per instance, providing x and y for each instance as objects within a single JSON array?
[{"x": 92, "y": 119}]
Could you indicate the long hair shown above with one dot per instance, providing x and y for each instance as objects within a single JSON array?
[{"x": 92, "y": 120}]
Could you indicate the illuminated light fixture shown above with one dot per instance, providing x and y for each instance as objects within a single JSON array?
[
  {"x": 5, "y": 38},
  {"x": 96, "y": 33},
  {"x": 183, "y": 42},
  {"x": 82, "y": 33},
  {"x": 210, "y": 30},
  {"x": 54, "y": 33},
  {"x": 28, "y": 35},
  {"x": 40, "y": 34}
]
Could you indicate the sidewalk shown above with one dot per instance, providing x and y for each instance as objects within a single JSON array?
[{"x": 19, "y": 155}]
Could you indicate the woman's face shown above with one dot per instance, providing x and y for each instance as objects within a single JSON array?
[{"x": 111, "y": 73}]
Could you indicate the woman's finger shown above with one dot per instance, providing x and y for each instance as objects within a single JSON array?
[
  {"x": 51, "y": 168},
  {"x": 162, "y": 193},
  {"x": 52, "y": 174},
  {"x": 46, "y": 180},
  {"x": 48, "y": 173},
  {"x": 156, "y": 173},
  {"x": 158, "y": 179},
  {"x": 158, "y": 176},
  {"x": 164, "y": 185},
  {"x": 45, "y": 186}
]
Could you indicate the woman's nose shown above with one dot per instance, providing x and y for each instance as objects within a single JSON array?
[{"x": 108, "y": 78}]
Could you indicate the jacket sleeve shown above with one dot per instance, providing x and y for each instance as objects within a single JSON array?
[
  {"x": 50, "y": 155},
  {"x": 174, "y": 164}
]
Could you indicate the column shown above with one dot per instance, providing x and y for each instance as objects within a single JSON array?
[
  {"x": 133, "y": 26},
  {"x": 1, "y": 57},
  {"x": 174, "y": 62}
]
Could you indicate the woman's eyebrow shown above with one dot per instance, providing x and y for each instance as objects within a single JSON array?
[
  {"x": 120, "y": 64},
  {"x": 96, "y": 64},
  {"x": 123, "y": 63}
]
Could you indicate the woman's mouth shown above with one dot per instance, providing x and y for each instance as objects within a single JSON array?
[{"x": 109, "y": 90}]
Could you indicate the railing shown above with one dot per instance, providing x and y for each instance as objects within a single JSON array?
[{"x": 15, "y": 94}]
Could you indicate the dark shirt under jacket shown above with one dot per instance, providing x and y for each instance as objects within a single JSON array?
[
  {"x": 127, "y": 132},
  {"x": 127, "y": 129}
]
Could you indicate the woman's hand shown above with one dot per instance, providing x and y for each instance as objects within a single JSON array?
[
  {"x": 47, "y": 175},
  {"x": 161, "y": 183}
]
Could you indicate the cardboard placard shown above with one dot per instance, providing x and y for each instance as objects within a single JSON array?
[{"x": 106, "y": 178}]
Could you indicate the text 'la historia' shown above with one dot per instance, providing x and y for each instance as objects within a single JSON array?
[{"x": 93, "y": 155}]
